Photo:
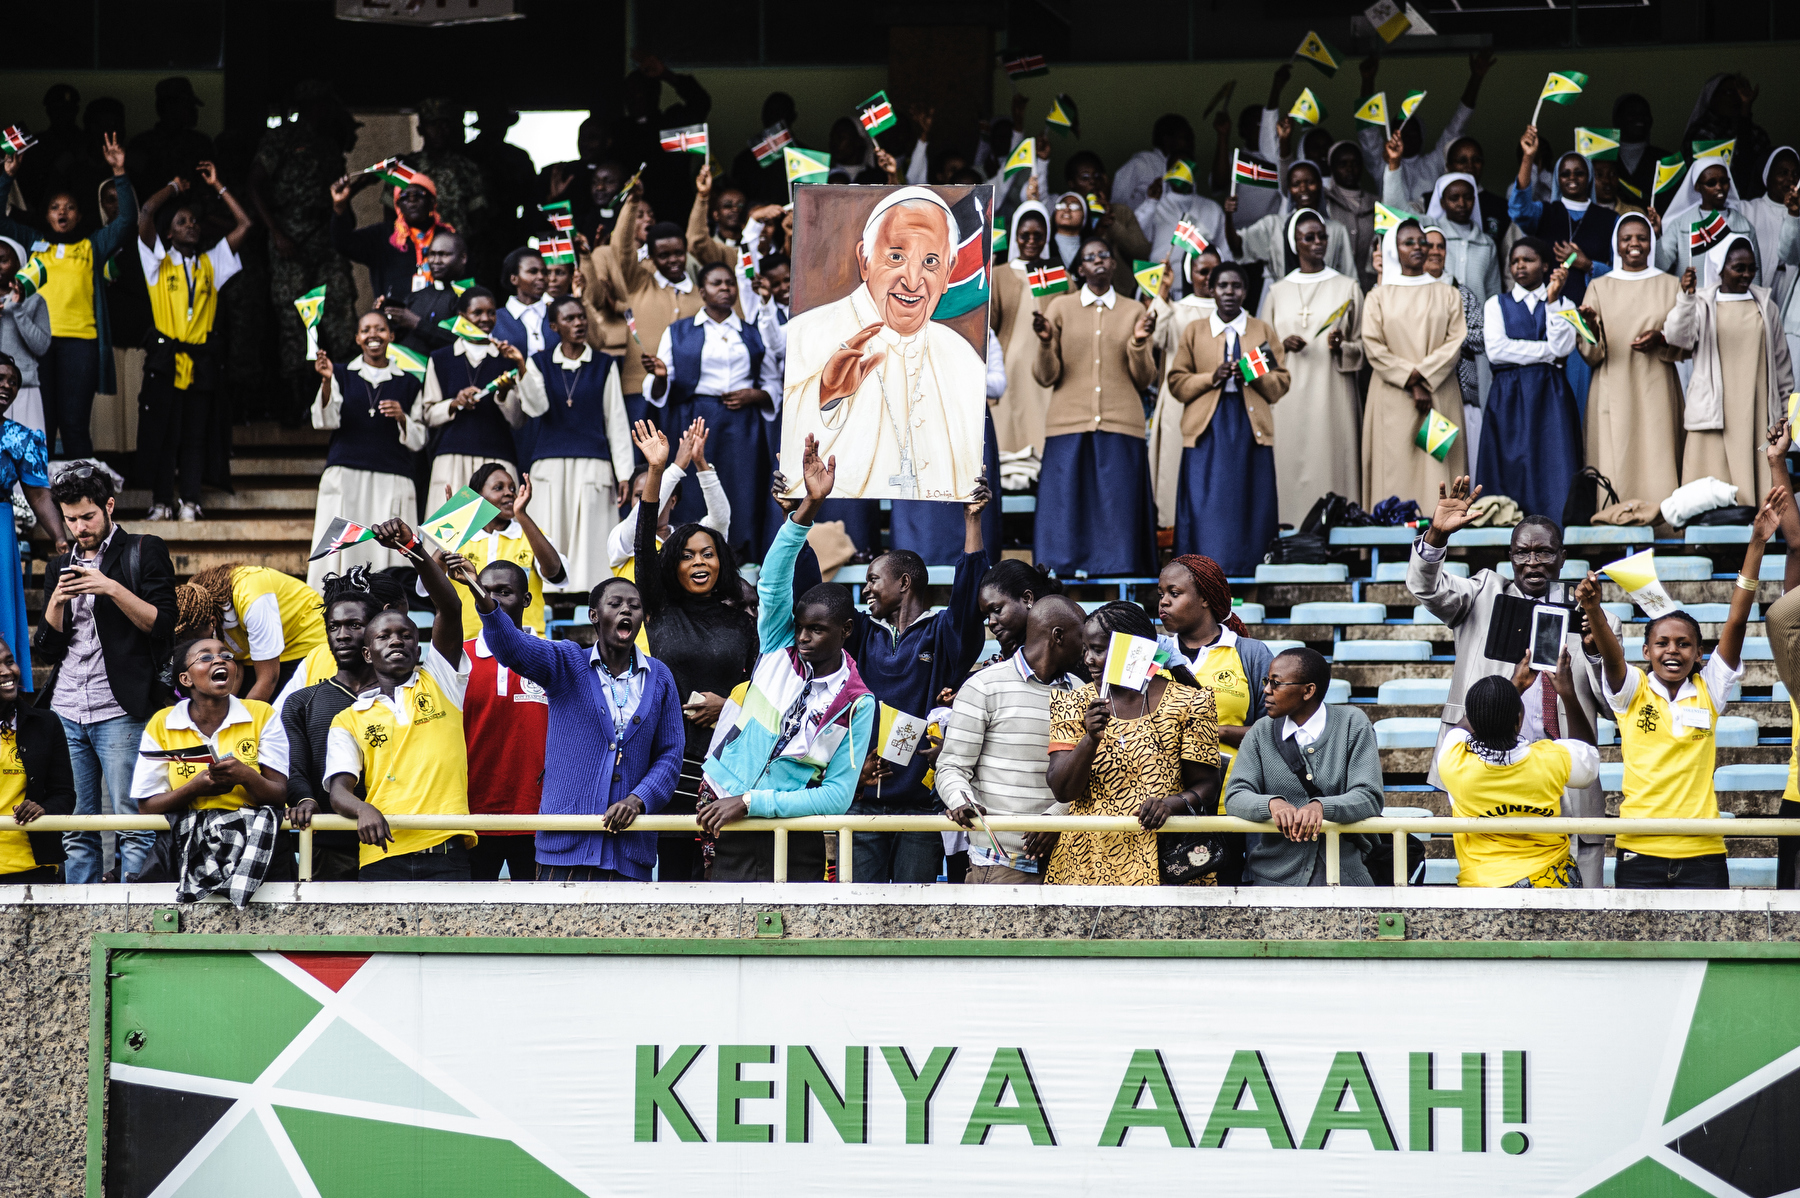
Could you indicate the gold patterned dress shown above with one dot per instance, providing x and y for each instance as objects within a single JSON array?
[{"x": 1137, "y": 760}]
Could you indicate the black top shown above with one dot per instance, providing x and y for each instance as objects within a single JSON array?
[
  {"x": 307, "y": 721},
  {"x": 390, "y": 270},
  {"x": 49, "y": 780},
  {"x": 364, "y": 438},
  {"x": 133, "y": 658},
  {"x": 480, "y": 431},
  {"x": 707, "y": 644},
  {"x": 432, "y": 305}
]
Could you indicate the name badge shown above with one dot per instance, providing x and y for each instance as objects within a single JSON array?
[{"x": 1693, "y": 717}]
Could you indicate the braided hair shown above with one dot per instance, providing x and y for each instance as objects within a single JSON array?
[
  {"x": 1213, "y": 589},
  {"x": 200, "y": 602},
  {"x": 1493, "y": 710},
  {"x": 1132, "y": 620},
  {"x": 351, "y": 584}
]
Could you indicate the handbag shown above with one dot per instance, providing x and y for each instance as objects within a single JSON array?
[
  {"x": 1303, "y": 548},
  {"x": 1583, "y": 500},
  {"x": 1734, "y": 516},
  {"x": 1186, "y": 857}
]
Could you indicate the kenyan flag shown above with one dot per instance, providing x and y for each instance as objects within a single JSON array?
[
  {"x": 1256, "y": 363},
  {"x": 340, "y": 534},
  {"x": 767, "y": 146},
  {"x": 1187, "y": 237},
  {"x": 396, "y": 172},
  {"x": 1050, "y": 280},
  {"x": 14, "y": 140},
  {"x": 968, "y": 288},
  {"x": 1707, "y": 232}
]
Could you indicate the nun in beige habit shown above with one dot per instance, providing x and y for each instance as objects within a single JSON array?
[
  {"x": 1019, "y": 413},
  {"x": 1412, "y": 335},
  {"x": 1318, "y": 313},
  {"x": 1634, "y": 400},
  {"x": 1742, "y": 374}
]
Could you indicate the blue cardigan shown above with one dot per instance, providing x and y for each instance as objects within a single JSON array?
[{"x": 581, "y": 776}]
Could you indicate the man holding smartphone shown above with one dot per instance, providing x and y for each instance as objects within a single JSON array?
[{"x": 109, "y": 617}]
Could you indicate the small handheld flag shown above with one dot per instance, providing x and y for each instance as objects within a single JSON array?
[
  {"x": 1251, "y": 173},
  {"x": 805, "y": 166},
  {"x": 1569, "y": 262},
  {"x": 1631, "y": 189},
  {"x": 899, "y": 736},
  {"x": 1332, "y": 319},
  {"x": 1668, "y": 173},
  {"x": 746, "y": 265},
  {"x": 689, "y": 139},
  {"x": 410, "y": 361},
  {"x": 1256, "y": 363},
  {"x": 1600, "y": 145},
  {"x": 1130, "y": 662},
  {"x": 1707, "y": 232},
  {"x": 1436, "y": 435},
  {"x": 1022, "y": 159},
  {"x": 1715, "y": 149},
  {"x": 1149, "y": 275},
  {"x": 1373, "y": 111},
  {"x": 631, "y": 323},
  {"x": 1307, "y": 109},
  {"x": 1049, "y": 280},
  {"x": 559, "y": 214},
  {"x": 1026, "y": 66},
  {"x": 1064, "y": 116},
  {"x": 1319, "y": 52},
  {"x": 1409, "y": 104},
  {"x": 1095, "y": 204},
  {"x": 464, "y": 328},
  {"x": 1187, "y": 237},
  {"x": 997, "y": 236},
  {"x": 461, "y": 285},
  {"x": 1560, "y": 87},
  {"x": 1793, "y": 409},
  {"x": 395, "y": 172},
  {"x": 14, "y": 140},
  {"x": 455, "y": 524},
  {"x": 1388, "y": 19},
  {"x": 1387, "y": 219},
  {"x": 340, "y": 534},
  {"x": 556, "y": 252},
  {"x": 767, "y": 145},
  {"x": 1636, "y": 576},
  {"x": 500, "y": 380},
  {"x": 1574, "y": 317},
  {"x": 32, "y": 275},
  {"x": 876, "y": 115},
  {"x": 311, "y": 306},
  {"x": 1179, "y": 178}
]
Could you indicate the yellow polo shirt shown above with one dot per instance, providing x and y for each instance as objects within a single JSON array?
[
  {"x": 15, "y": 847},
  {"x": 1669, "y": 751},
  {"x": 252, "y": 733},
  {"x": 509, "y": 544},
  {"x": 288, "y": 626},
  {"x": 68, "y": 288}
]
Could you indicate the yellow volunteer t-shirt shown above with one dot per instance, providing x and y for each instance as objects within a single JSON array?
[
  {"x": 409, "y": 752},
  {"x": 507, "y": 545},
  {"x": 1792, "y": 793},
  {"x": 1222, "y": 669},
  {"x": 1530, "y": 785},
  {"x": 15, "y": 847},
  {"x": 68, "y": 288},
  {"x": 252, "y": 733},
  {"x": 1669, "y": 751},
  {"x": 184, "y": 300},
  {"x": 302, "y": 623}
]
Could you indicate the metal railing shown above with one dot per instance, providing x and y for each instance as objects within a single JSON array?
[{"x": 846, "y": 826}]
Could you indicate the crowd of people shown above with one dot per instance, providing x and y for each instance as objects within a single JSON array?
[{"x": 1302, "y": 340}]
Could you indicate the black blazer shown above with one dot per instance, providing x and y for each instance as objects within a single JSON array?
[
  {"x": 134, "y": 658},
  {"x": 49, "y": 780}
]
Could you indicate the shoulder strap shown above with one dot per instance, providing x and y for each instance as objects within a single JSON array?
[
  {"x": 134, "y": 555},
  {"x": 1296, "y": 761}
]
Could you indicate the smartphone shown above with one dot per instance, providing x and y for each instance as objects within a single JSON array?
[{"x": 1549, "y": 628}]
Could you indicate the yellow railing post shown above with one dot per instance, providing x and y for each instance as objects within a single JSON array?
[
  {"x": 306, "y": 850},
  {"x": 846, "y": 855},
  {"x": 1400, "y": 871},
  {"x": 781, "y": 850},
  {"x": 1333, "y": 876}
]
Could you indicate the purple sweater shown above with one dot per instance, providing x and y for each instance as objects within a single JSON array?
[{"x": 581, "y": 774}]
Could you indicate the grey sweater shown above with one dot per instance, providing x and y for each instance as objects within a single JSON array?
[
  {"x": 1347, "y": 771},
  {"x": 25, "y": 335}
]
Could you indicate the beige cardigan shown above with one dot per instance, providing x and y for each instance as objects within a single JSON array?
[
  {"x": 1191, "y": 379},
  {"x": 1094, "y": 369},
  {"x": 1693, "y": 325}
]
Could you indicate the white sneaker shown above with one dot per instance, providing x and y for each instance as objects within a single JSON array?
[
  {"x": 191, "y": 511},
  {"x": 160, "y": 511}
]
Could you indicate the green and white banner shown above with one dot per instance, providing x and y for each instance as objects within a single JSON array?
[{"x": 450, "y": 1074}]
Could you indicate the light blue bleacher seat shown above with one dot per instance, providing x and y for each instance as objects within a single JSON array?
[
  {"x": 1737, "y": 732},
  {"x": 1396, "y": 535},
  {"x": 1606, "y": 534},
  {"x": 1250, "y": 613},
  {"x": 1779, "y": 693},
  {"x": 1422, "y": 615},
  {"x": 1406, "y": 732},
  {"x": 940, "y": 576},
  {"x": 1338, "y": 691},
  {"x": 1407, "y": 813},
  {"x": 1606, "y": 732},
  {"x": 1468, "y": 538},
  {"x": 1338, "y": 613},
  {"x": 1625, "y": 613},
  {"x": 1413, "y": 692},
  {"x": 1018, "y": 503},
  {"x": 1634, "y": 648},
  {"x": 1612, "y": 775},
  {"x": 1323, "y": 572},
  {"x": 1774, "y": 568},
  {"x": 1717, "y": 613},
  {"x": 1766, "y": 776},
  {"x": 423, "y": 619},
  {"x": 1683, "y": 569},
  {"x": 1717, "y": 534},
  {"x": 1756, "y": 648},
  {"x": 851, "y": 575},
  {"x": 1278, "y": 647},
  {"x": 1396, "y": 571},
  {"x": 1574, "y": 569},
  {"x": 1381, "y": 651}
]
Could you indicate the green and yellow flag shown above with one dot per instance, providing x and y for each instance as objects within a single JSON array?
[
  {"x": 1560, "y": 87},
  {"x": 464, "y": 328},
  {"x": 31, "y": 277},
  {"x": 1095, "y": 204},
  {"x": 1599, "y": 145},
  {"x": 1574, "y": 317},
  {"x": 1149, "y": 275},
  {"x": 1716, "y": 149},
  {"x": 1307, "y": 108},
  {"x": 1373, "y": 111},
  {"x": 1064, "y": 116},
  {"x": 461, "y": 285},
  {"x": 1319, "y": 52},
  {"x": 1409, "y": 104},
  {"x": 997, "y": 238},
  {"x": 1386, "y": 219},
  {"x": 410, "y": 361},
  {"x": 805, "y": 166},
  {"x": 455, "y": 524},
  {"x": 1179, "y": 178},
  {"x": 1021, "y": 159},
  {"x": 311, "y": 306},
  {"x": 1668, "y": 173},
  {"x": 1436, "y": 435}
]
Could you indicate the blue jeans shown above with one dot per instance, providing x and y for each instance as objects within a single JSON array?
[
  {"x": 915, "y": 857},
  {"x": 103, "y": 756}
]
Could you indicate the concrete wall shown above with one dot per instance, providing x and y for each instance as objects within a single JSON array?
[{"x": 45, "y": 934}]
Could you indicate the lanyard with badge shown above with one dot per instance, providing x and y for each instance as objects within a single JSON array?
[{"x": 617, "y": 701}]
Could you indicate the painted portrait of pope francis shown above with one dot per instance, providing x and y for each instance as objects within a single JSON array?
[{"x": 885, "y": 351}]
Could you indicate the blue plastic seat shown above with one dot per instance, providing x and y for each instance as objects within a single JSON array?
[
  {"x": 1683, "y": 569},
  {"x": 1413, "y": 692},
  {"x": 1717, "y": 613},
  {"x": 1756, "y": 648},
  {"x": 1764, "y": 776},
  {"x": 1279, "y": 647},
  {"x": 1323, "y": 572},
  {"x": 1250, "y": 613},
  {"x": 1605, "y": 732},
  {"x": 1406, "y": 732},
  {"x": 1466, "y": 538},
  {"x": 1612, "y": 775},
  {"x": 1422, "y": 615},
  {"x": 1018, "y": 503},
  {"x": 1338, "y": 691},
  {"x": 1774, "y": 568},
  {"x": 1606, "y": 534},
  {"x": 1396, "y": 571},
  {"x": 1338, "y": 613},
  {"x": 1717, "y": 534},
  {"x": 1624, "y": 613},
  {"x": 1737, "y": 732},
  {"x": 1779, "y": 693},
  {"x": 1381, "y": 651},
  {"x": 1395, "y": 535}
]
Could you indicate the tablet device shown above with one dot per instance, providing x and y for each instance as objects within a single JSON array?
[{"x": 1549, "y": 628}]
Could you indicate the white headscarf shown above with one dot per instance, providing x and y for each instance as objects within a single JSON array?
[
  {"x": 1715, "y": 261},
  {"x": 1028, "y": 208},
  {"x": 1390, "y": 258},
  {"x": 1687, "y": 196},
  {"x": 1293, "y": 221},
  {"x": 1287, "y": 203},
  {"x": 1576, "y": 207},
  {"x": 18, "y": 252},
  {"x": 1770, "y": 164},
  {"x": 1435, "y": 210},
  {"x": 1057, "y": 237},
  {"x": 1633, "y": 276},
  {"x": 1446, "y": 277}
]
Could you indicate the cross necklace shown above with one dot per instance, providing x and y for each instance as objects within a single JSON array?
[{"x": 906, "y": 478}]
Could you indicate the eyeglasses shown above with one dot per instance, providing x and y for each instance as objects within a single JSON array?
[
  {"x": 208, "y": 658},
  {"x": 1534, "y": 557},
  {"x": 1102, "y": 256},
  {"x": 1272, "y": 684}
]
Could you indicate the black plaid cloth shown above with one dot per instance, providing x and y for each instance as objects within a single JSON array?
[{"x": 224, "y": 850}]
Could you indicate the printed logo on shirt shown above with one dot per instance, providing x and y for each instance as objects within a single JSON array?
[
  {"x": 426, "y": 708},
  {"x": 1646, "y": 721},
  {"x": 374, "y": 736},
  {"x": 246, "y": 751},
  {"x": 186, "y": 770},
  {"x": 1226, "y": 681}
]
